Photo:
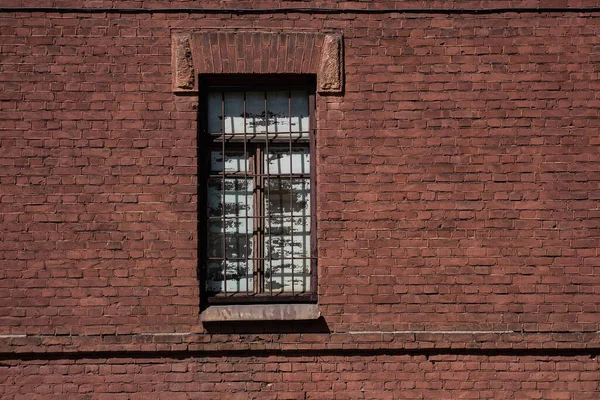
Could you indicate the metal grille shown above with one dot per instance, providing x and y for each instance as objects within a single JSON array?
[{"x": 260, "y": 236}]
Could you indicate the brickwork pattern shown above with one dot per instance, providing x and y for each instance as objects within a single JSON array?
[
  {"x": 458, "y": 175},
  {"x": 306, "y": 377},
  {"x": 254, "y": 4},
  {"x": 458, "y": 190}
]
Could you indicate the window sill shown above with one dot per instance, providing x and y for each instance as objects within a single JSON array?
[{"x": 261, "y": 312}]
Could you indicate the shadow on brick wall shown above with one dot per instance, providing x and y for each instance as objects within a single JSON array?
[{"x": 313, "y": 326}]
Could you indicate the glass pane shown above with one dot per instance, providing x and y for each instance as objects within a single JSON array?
[
  {"x": 234, "y": 161},
  {"x": 214, "y": 194},
  {"x": 230, "y": 237},
  {"x": 300, "y": 119},
  {"x": 234, "y": 112},
  {"x": 236, "y": 281},
  {"x": 280, "y": 161},
  {"x": 238, "y": 197},
  {"x": 283, "y": 198},
  {"x": 279, "y": 242},
  {"x": 237, "y": 245},
  {"x": 214, "y": 276},
  {"x": 278, "y": 109},
  {"x": 255, "y": 112},
  {"x": 281, "y": 280},
  {"x": 287, "y": 241},
  {"x": 215, "y": 118},
  {"x": 279, "y": 104}
]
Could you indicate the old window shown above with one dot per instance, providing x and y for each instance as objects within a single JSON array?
[{"x": 258, "y": 209}]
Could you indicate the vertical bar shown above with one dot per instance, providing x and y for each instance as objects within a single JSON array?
[
  {"x": 259, "y": 213},
  {"x": 313, "y": 193},
  {"x": 246, "y": 164},
  {"x": 223, "y": 192},
  {"x": 291, "y": 186},
  {"x": 266, "y": 161},
  {"x": 237, "y": 207}
]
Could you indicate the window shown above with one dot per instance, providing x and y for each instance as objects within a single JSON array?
[{"x": 258, "y": 209}]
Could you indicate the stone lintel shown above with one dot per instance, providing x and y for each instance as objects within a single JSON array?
[{"x": 216, "y": 52}]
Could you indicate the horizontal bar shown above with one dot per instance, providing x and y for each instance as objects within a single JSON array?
[
  {"x": 234, "y": 217},
  {"x": 240, "y": 174},
  {"x": 257, "y": 259},
  {"x": 250, "y": 135},
  {"x": 259, "y": 137},
  {"x": 277, "y": 297},
  {"x": 257, "y": 218}
]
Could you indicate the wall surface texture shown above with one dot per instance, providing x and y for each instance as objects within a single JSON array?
[{"x": 458, "y": 206}]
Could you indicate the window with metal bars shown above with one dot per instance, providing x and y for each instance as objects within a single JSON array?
[{"x": 258, "y": 210}]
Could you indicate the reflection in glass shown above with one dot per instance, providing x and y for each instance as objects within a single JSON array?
[
  {"x": 234, "y": 161},
  {"x": 288, "y": 234},
  {"x": 234, "y": 112},
  {"x": 229, "y": 235},
  {"x": 280, "y": 160},
  {"x": 226, "y": 112},
  {"x": 238, "y": 197},
  {"x": 237, "y": 279},
  {"x": 258, "y": 192}
]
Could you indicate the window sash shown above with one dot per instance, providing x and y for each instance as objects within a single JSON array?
[{"x": 254, "y": 149}]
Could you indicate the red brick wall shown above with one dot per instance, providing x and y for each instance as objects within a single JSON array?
[
  {"x": 458, "y": 190},
  {"x": 312, "y": 377}
]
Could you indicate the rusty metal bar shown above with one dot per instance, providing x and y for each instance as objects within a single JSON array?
[
  {"x": 246, "y": 165},
  {"x": 252, "y": 258},
  {"x": 266, "y": 161},
  {"x": 291, "y": 187},
  {"x": 273, "y": 137},
  {"x": 223, "y": 194},
  {"x": 218, "y": 175},
  {"x": 259, "y": 216}
]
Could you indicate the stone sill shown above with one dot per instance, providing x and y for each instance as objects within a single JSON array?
[{"x": 261, "y": 312}]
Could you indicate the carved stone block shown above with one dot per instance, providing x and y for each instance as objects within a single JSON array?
[
  {"x": 330, "y": 76},
  {"x": 182, "y": 63}
]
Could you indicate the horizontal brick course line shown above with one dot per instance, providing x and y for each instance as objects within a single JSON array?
[
  {"x": 353, "y": 352},
  {"x": 331, "y": 333},
  {"x": 303, "y": 10},
  {"x": 377, "y": 343}
]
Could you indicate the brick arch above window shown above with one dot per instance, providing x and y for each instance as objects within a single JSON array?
[{"x": 199, "y": 52}]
